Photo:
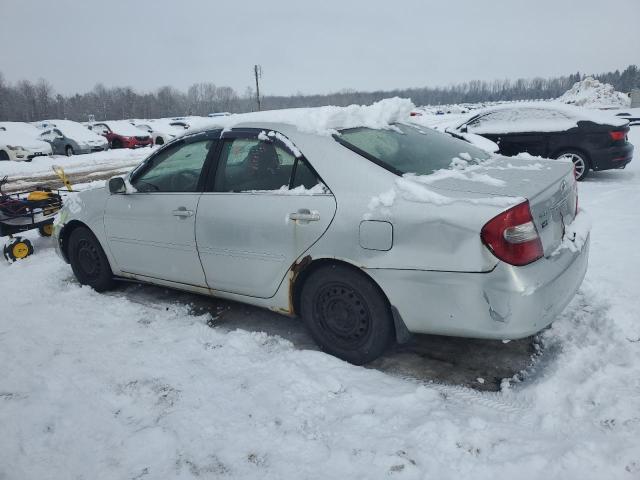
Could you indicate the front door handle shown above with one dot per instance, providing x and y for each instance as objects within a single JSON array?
[
  {"x": 304, "y": 215},
  {"x": 182, "y": 212}
]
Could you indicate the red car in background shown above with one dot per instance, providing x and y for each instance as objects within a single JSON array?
[{"x": 121, "y": 134}]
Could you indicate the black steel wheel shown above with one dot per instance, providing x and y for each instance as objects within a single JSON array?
[
  {"x": 347, "y": 314},
  {"x": 88, "y": 261}
]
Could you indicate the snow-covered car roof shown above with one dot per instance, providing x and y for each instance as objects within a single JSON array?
[
  {"x": 121, "y": 127},
  {"x": 324, "y": 121},
  {"x": 567, "y": 116},
  {"x": 19, "y": 133},
  {"x": 71, "y": 129}
]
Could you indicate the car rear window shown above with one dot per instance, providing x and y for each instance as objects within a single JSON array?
[{"x": 406, "y": 149}]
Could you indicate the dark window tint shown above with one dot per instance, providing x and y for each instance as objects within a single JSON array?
[
  {"x": 405, "y": 149},
  {"x": 304, "y": 176}
]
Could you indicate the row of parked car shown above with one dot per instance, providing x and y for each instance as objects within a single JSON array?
[
  {"x": 20, "y": 141},
  {"x": 592, "y": 140}
]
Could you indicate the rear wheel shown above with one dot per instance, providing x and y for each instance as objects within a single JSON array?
[
  {"x": 580, "y": 163},
  {"x": 69, "y": 151},
  {"x": 4, "y": 155},
  {"x": 346, "y": 314},
  {"x": 88, "y": 261}
]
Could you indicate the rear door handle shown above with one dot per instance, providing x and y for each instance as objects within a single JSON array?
[
  {"x": 304, "y": 215},
  {"x": 182, "y": 212}
]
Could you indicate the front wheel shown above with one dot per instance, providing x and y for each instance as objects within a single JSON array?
[
  {"x": 88, "y": 261},
  {"x": 347, "y": 314},
  {"x": 580, "y": 163},
  {"x": 69, "y": 151}
]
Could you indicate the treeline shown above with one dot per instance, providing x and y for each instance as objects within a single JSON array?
[{"x": 29, "y": 101}]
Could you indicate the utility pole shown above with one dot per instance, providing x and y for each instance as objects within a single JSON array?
[{"x": 257, "y": 70}]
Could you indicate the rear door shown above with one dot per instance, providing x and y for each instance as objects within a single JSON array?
[
  {"x": 263, "y": 209},
  {"x": 151, "y": 232}
]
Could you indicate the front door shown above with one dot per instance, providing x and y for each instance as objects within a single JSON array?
[
  {"x": 151, "y": 231},
  {"x": 263, "y": 210}
]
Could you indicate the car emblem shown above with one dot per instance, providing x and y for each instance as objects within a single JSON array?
[{"x": 563, "y": 185}]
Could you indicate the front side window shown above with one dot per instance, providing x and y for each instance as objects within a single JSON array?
[
  {"x": 405, "y": 149},
  {"x": 250, "y": 164},
  {"x": 174, "y": 169}
]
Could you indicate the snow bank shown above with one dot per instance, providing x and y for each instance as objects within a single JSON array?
[
  {"x": 41, "y": 166},
  {"x": 592, "y": 93}
]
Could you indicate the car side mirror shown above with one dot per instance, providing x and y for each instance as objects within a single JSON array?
[{"x": 117, "y": 186}]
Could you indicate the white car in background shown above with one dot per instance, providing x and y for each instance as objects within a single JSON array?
[
  {"x": 162, "y": 130},
  {"x": 19, "y": 142}
]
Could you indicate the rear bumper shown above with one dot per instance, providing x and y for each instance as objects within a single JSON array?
[
  {"x": 611, "y": 157},
  {"x": 506, "y": 303}
]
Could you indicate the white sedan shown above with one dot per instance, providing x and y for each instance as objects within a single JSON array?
[{"x": 18, "y": 142}]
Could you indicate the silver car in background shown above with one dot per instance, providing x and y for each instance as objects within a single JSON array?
[{"x": 367, "y": 234}]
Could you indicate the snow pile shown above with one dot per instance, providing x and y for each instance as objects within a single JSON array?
[
  {"x": 592, "y": 93},
  {"x": 326, "y": 120}
]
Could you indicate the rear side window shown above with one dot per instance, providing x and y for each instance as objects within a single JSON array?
[
  {"x": 252, "y": 164},
  {"x": 406, "y": 149}
]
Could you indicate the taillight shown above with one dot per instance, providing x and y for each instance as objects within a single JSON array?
[
  {"x": 512, "y": 236},
  {"x": 617, "y": 135}
]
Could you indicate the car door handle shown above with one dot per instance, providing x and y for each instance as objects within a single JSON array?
[
  {"x": 182, "y": 212},
  {"x": 304, "y": 216}
]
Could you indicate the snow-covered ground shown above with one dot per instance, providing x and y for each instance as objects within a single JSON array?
[
  {"x": 41, "y": 166},
  {"x": 108, "y": 387}
]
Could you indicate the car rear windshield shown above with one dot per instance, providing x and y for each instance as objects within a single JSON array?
[{"x": 406, "y": 149}]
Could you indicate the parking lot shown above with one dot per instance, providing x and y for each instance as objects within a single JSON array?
[{"x": 214, "y": 388}]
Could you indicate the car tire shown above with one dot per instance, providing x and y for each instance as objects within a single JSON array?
[
  {"x": 88, "y": 260},
  {"x": 346, "y": 313},
  {"x": 159, "y": 141},
  {"x": 580, "y": 163},
  {"x": 69, "y": 151},
  {"x": 116, "y": 144},
  {"x": 3, "y": 156}
]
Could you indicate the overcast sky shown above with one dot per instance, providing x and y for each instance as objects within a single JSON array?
[{"x": 311, "y": 47}]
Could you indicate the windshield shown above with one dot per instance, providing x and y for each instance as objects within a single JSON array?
[{"x": 407, "y": 149}]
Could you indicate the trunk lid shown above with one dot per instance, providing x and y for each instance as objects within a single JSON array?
[{"x": 549, "y": 185}]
